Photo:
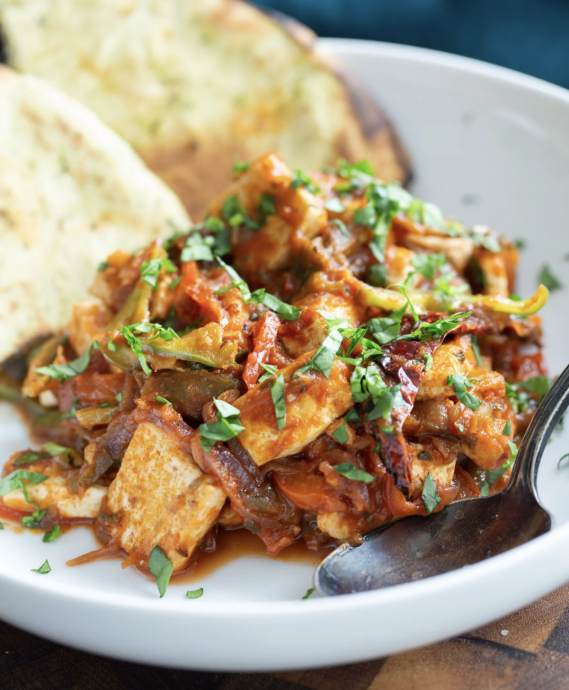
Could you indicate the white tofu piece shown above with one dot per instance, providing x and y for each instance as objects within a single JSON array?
[
  {"x": 312, "y": 403},
  {"x": 163, "y": 498},
  {"x": 54, "y": 493}
]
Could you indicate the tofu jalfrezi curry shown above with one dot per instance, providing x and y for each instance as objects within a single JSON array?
[{"x": 319, "y": 356}]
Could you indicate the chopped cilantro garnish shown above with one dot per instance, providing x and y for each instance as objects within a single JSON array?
[
  {"x": 195, "y": 594},
  {"x": 335, "y": 205},
  {"x": 174, "y": 284},
  {"x": 384, "y": 401},
  {"x": 352, "y": 416},
  {"x": 261, "y": 296},
  {"x": 550, "y": 281},
  {"x": 507, "y": 428},
  {"x": 476, "y": 350},
  {"x": 150, "y": 270},
  {"x": 460, "y": 384},
  {"x": 323, "y": 359},
  {"x": 520, "y": 393},
  {"x": 428, "y": 264},
  {"x": 493, "y": 475},
  {"x": 430, "y": 495},
  {"x": 15, "y": 480},
  {"x": 53, "y": 534},
  {"x": 103, "y": 266},
  {"x": 428, "y": 358},
  {"x": 338, "y": 223},
  {"x": 162, "y": 400},
  {"x": 340, "y": 433},
  {"x": 430, "y": 331},
  {"x": 308, "y": 593},
  {"x": 520, "y": 244},
  {"x": 279, "y": 402},
  {"x": 62, "y": 372},
  {"x": 196, "y": 249},
  {"x": 44, "y": 569},
  {"x": 385, "y": 329},
  {"x": 227, "y": 426},
  {"x": 236, "y": 215},
  {"x": 563, "y": 457},
  {"x": 348, "y": 470},
  {"x": 266, "y": 208},
  {"x": 376, "y": 275},
  {"x": 160, "y": 566},
  {"x": 270, "y": 371},
  {"x": 240, "y": 167},
  {"x": 299, "y": 179}
]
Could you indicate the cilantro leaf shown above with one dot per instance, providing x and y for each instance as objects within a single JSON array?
[
  {"x": 385, "y": 329},
  {"x": 338, "y": 223},
  {"x": 236, "y": 215},
  {"x": 335, "y": 205},
  {"x": 428, "y": 264},
  {"x": 15, "y": 480},
  {"x": 160, "y": 566},
  {"x": 348, "y": 470},
  {"x": 162, "y": 400},
  {"x": 430, "y": 331},
  {"x": 150, "y": 270},
  {"x": 352, "y": 416},
  {"x": 266, "y": 208},
  {"x": 308, "y": 593},
  {"x": 430, "y": 494},
  {"x": 547, "y": 278},
  {"x": 340, "y": 433},
  {"x": 476, "y": 350},
  {"x": 241, "y": 167},
  {"x": 196, "y": 249},
  {"x": 261, "y": 296},
  {"x": 299, "y": 179},
  {"x": 227, "y": 426},
  {"x": 62, "y": 372},
  {"x": 493, "y": 475},
  {"x": 270, "y": 371},
  {"x": 135, "y": 346},
  {"x": 195, "y": 594},
  {"x": 507, "y": 428},
  {"x": 460, "y": 384},
  {"x": 279, "y": 402},
  {"x": 323, "y": 359},
  {"x": 376, "y": 275},
  {"x": 282, "y": 309},
  {"x": 53, "y": 534},
  {"x": 44, "y": 569},
  {"x": 386, "y": 400}
]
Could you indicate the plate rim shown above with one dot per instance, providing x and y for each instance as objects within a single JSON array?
[{"x": 538, "y": 552}]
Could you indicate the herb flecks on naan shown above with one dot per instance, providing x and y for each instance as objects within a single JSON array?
[
  {"x": 71, "y": 192},
  {"x": 197, "y": 86}
]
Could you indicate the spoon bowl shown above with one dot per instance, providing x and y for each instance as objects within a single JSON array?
[{"x": 462, "y": 534}]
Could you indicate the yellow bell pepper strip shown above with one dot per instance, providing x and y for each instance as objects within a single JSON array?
[{"x": 390, "y": 300}]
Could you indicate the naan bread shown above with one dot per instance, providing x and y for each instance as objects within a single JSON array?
[
  {"x": 195, "y": 85},
  {"x": 71, "y": 192}
]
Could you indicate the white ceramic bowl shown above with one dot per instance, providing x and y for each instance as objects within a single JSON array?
[{"x": 489, "y": 145}]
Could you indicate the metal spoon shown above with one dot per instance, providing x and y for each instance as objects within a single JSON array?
[{"x": 463, "y": 533}]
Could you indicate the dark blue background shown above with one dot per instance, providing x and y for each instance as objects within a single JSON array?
[{"x": 531, "y": 36}]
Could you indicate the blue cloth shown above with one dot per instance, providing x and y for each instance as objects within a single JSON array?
[{"x": 531, "y": 36}]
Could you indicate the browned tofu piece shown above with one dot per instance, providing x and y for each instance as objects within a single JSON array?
[
  {"x": 55, "y": 493},
  {"x": 312, "y": 403},
  {"x": 163, "y": 498}
]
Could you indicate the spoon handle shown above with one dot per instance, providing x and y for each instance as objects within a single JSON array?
[{"x": 546, "y": 418}]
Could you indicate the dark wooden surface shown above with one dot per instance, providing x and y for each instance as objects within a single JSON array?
[{"x": 528, "y": 650}]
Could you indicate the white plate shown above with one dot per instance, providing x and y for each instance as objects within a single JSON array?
[{"x": 477, "y": 134}]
